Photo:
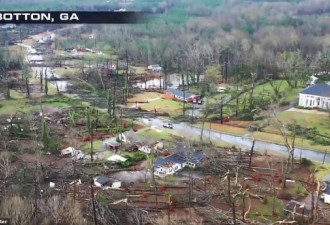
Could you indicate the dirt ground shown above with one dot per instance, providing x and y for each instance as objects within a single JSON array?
[
  {"x": 46, "y": 160},
  {"x": 312, "y": 111}
]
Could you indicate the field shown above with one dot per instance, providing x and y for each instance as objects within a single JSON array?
[
  {"x": 155, "y": 101},
  {"x": 308, "y": 120}
]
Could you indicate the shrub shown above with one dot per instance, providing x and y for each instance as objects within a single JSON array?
[
  {"x": 300, "y": 190},
  {"x": 306, "y": 162},
  {"x": 284, "y": 196},
  {"x": 285, "y": 103},
  {"x": 246, "y": 116},
  {"x": 12, "y": 148}
]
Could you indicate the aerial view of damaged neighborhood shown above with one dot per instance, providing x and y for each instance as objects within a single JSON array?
[{"x": 210, "y": 112}]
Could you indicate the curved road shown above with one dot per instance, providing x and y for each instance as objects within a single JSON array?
[{"x": 244, "y": 142}]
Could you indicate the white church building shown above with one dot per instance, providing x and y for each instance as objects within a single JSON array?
[{"x": 315, "y": 96}]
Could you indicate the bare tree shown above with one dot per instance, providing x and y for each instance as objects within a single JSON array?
[
  {"x": 289, "y": 143},
  {"x": 18, "y": 210}
]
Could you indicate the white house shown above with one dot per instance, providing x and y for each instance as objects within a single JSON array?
[
  {"x": 168, "y": 165},
  {"x": 182, "y": 157},
  {"x": 316, "y": 96}
]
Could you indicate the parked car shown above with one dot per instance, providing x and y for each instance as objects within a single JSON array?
[{"x": 168, "y": 125}]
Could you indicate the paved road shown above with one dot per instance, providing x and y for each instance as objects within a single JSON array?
[{"x": 244, "y": 142}]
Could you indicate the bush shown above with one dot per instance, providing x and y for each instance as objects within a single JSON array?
[
  {"x": 285, "y": 103},
  {"x": 284, "y": 196},
  {"x": 306, "y": 162},
  {"x": 131, "y": 159},
  {"x": 12, "y": 148},
  {"x": 246, "y": 117},
  {"x": 300, "y": 190}
]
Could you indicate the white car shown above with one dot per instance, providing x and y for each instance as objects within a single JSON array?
[
  {"x": 168, "y": 125},
  {"x": 155, "y": 68}
]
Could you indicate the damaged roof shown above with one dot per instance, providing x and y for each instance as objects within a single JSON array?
[
  {"x": 297, "y": 207},
  {"x": 104, "y": 180},
  {"x": 169, "y": 160}
]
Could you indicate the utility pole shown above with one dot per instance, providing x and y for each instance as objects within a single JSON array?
[
  {"x": 251, "y": 152},
  {"x": 92, "y": 125},
  {"x": 221, "y": 111},
  {"x": 121, "y": 129},
  {"x": 325, "y": 154}
]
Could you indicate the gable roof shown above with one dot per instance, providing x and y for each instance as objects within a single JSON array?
[
  {"x": 179, "y": 93},
  {"x": 321, "y": 89}
]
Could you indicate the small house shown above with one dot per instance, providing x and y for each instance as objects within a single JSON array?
[
  {"x": 105, "y": 182},
  {"x": 178, "y": 95},
  {"x": 111, "y": 144},
  {"x": 315, "y": 96},
  {"x": 296, "y": 209}
]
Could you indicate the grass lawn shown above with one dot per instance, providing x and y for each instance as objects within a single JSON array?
[
  {"x": 323, "y": 170},
  {"x": 87, "y": 146},
  {"x": 290, "y": 93},
  {"x": 157, "y": 134},
  {"x": 145, "y": 96},
  {"x": 276, "y": 138},
  {"x": 223, "y": 128},
  {"x": 173, "y": 108},
  {"x": 264, "y": 90},
  {"x": 263, "y": 212},
  {"x": 322, "y": 123},
  {"x": 16, "y": 95},
  {"x": 12, "y": 106},
  {"x": 139, "y": 69},
  {"x": 69, "y": 71}
]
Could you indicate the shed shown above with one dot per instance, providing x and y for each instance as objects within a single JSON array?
[{"x": 117, "y": 158}]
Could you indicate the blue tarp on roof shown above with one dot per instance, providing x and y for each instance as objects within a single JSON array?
[
  {"x": 179, "y": 93},
  {"x": 318, "y": 89}
]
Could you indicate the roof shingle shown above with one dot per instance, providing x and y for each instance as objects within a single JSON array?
[{"x": 321, "y": 89}]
